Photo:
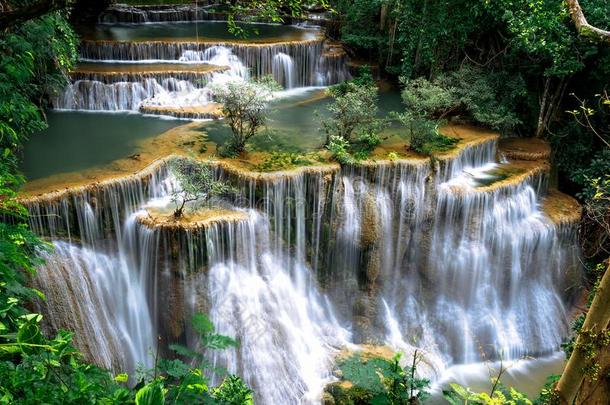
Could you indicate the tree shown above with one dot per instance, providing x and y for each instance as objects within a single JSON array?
[
  {"x": 354, "y": 125},
  {"x": 594, "y": 330},
  {"x": 245, "y": 107},
  {"x": 583, "y": 26},
  {"x": 427, "y": 104},
  {"x": 196, "y": 182},
  {"x": 354, "y": 111},
  {"x": 12, "y": 15}
]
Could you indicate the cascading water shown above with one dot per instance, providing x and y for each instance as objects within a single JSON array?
[
  {"x": 322, "y": 259},
  {"x": 283, "y": 70},
  {"x": 294, "y": 63},
  {"x": 101, "y": 299},
  {"x": 285, "y": 327}
]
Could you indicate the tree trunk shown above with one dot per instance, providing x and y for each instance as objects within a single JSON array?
[
  {"x": 596, "y": 321},
  {"x": 543, "y": 106},
  {"x": 17, "y": 16},
  {"x": 583, "y": 26}
]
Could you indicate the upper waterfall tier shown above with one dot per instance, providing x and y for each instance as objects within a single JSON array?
[
  {"x": 109, "y": 73},
  {"x": 164, "y": 70},
  {"x": 123, "y": 13},
  {"x": 207, "y": 31}
]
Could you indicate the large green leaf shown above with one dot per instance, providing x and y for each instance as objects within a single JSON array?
[{"x": 151, "y": 394}]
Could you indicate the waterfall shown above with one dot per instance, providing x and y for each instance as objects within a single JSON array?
[
  {"x": 122, "y": 13},
  {"x": 400, "y": 253},
  {"x": 219, "y": 56},
  {"x": 101, "y": 300},
  {"x": 162, "y": 76},
  {"x": 285, "y": 328},
  {"x": 307, "y": 56},
  {"x": 283, "y": 70}
]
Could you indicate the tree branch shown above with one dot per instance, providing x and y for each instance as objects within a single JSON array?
[
  {"x": 583, "y": 27},
  {"x": 10, "y": 18}
]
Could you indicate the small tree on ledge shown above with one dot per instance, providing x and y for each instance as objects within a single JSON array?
[
  {"x": 245, "y": 107},
  {"x": 196, "y": 183}
]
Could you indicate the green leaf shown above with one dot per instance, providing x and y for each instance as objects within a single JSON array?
[
  {"x": 151, "y": 394},
  {"x": 121, "y": 378}
]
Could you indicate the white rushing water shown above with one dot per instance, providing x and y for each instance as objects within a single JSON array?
[
  {"x": 375, "y": 255},
  {"x": 293, "y": 65}
]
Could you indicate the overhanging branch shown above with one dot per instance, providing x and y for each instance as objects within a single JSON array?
[
  {"x": 10, "y": 18},
  {"x": 583, "y": 26}
]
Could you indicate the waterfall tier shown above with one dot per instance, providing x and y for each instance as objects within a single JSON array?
[
  {"x": 122, "y": 13},
  {"x": 457, "y": 259},
  {"x": 311, "y": 66},
  {"x": 172, "y": 78},
  {"x": 108, "y": 73}
]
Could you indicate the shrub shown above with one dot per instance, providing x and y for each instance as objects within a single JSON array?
[
  {"x": 338, "y": 147},
  {"x": 485, "y": 97},
  {"x": 245, "y": 108},
  {"x": 197, "y": 183},
  {"x": 354, "y": 125}
]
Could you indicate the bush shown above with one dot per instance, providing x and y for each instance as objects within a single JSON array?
[
  {"x": 245, "y": 108},
  {"x": 354, "y": 125},
  {"x": 487, "y": 98},
  {"x": 339, "y": 148},
  {"x": 286, "y": 160},
  {"x": 197, "y": 183}
]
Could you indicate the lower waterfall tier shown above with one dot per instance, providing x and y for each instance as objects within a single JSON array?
[{"x": 398, "y": 253}]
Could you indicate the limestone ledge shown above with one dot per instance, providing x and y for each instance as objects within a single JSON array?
[
  {"x": 207, "y": 111},
  {"x": 468, "y": 136},
  {"x": 199, "y": 219},
  {"x": 561, "y": 208},
  {"x": 120, "y": 69},
  {"x": 525, "y": 149},
  {"x": 252, "y": 42},
  {"x": 517, "y": 172},
  {"x": 187, "y": 141}
]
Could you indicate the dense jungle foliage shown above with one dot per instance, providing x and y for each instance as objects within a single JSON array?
[{"x": 517, "y": 66}]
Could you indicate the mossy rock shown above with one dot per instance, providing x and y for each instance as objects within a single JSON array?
[
  {"x": 345, "y": 393},
  {"x": 361, "y": 377}
]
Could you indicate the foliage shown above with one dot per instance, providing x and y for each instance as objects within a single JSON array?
[
  {"x": 594, "y": 178},
  {"x": 548, "y": 394},
  {"x": 287, "y": 160},
  {"x": 339, "y": 149},
  {"x": 176, "y": 381},
  {"x": 459, "y": 395},
  {"x": 196, "y": 183},
  {"x": 354, "y": 111},
  {"x": 233, "y": 391},
  {"x": 380, "y": 381},
  {"x": 352, "y": 130},
  {"x": 483, "y": 96},
  {"x": 245, "y": 107},
  {"x": 275, "y": 11}
]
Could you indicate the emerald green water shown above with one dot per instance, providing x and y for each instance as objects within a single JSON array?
[
  {"x": 294, "y": 123},
  {"x": 204, "y": 30},
  {"x": 77, "y": 141}
]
